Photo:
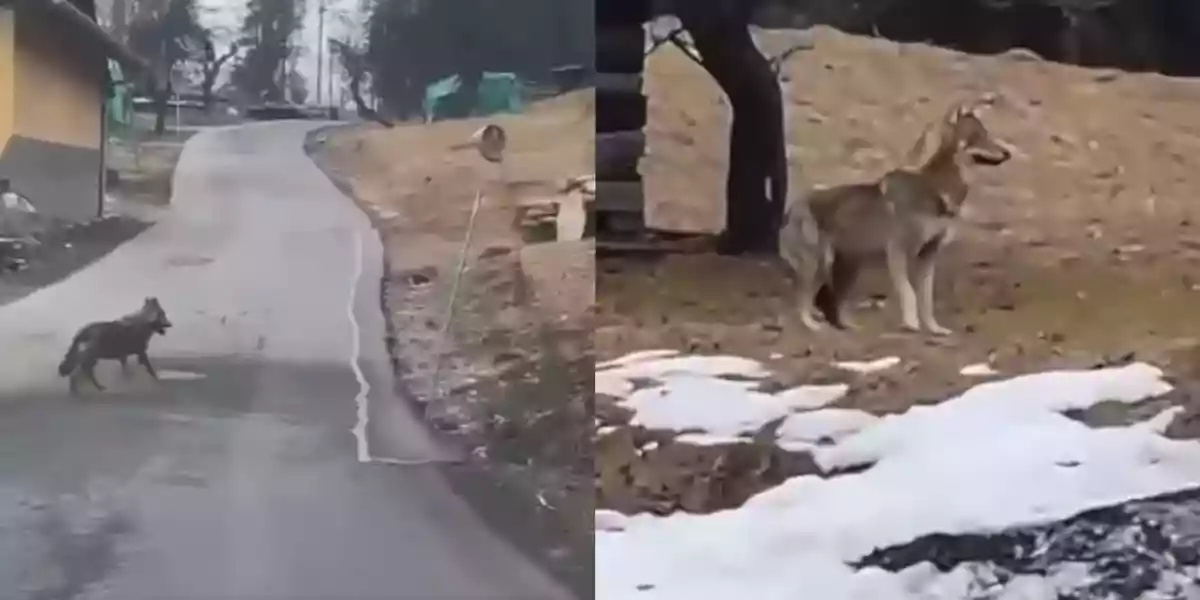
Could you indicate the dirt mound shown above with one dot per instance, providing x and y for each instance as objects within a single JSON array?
[{"x": 639, "y": 470}]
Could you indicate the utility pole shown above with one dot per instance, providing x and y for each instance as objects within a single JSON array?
[{"x": 320, "y": 48}]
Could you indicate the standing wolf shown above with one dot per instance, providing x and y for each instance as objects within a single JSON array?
[
  {"x": 902, "y": 220},
  {"x": 114, "y": 340}
]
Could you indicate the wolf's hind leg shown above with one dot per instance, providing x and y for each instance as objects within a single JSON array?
[
  {"x": 812, "y": 280},
  {"x": 831, "y": 298}
]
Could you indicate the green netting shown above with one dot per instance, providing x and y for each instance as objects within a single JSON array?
[
  {"x": 498, "y": 93},
  {"x": 118, "y": 106}
]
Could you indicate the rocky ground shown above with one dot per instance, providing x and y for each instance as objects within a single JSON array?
[
  {"x": 515, "y": 379},
  {"x": 1084, "y": 249}
]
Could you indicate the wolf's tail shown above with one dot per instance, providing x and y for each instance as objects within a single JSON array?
[{"x": 70, "y": 361}]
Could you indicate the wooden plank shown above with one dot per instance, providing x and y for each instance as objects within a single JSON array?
[
  {"x": 618, "y": 154},
  {"x": 618, "y": 110},
  {"x": 622, "y": 12},
  {"x": 620, "y": 83},
  {"x": 620, "y": 196},
  {"x": 651, "y": 242},
  {"x": 610, "y": 225},
  {"x": 620, "y": 49},
  {"x": 571, "y": 221}
]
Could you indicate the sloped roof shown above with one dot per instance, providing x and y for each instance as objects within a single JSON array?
[{"x": 83, "y": 24}]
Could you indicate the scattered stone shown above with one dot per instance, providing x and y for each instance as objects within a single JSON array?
[
  {"x": 978, "y": 370},
  {"x": 494, "y": 252},
  {"x": 865, "y": 367}
]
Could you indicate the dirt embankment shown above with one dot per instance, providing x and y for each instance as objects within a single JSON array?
[
  {"x": 516, "y": 375},
  {"x": 1084, "y": 248}
]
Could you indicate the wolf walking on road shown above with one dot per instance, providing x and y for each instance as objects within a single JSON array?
[
  {"x": 114, "y": 340},
  {"x": 903, "y": 220}
]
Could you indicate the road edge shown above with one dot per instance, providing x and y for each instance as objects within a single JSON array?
[{"x": 509, "y": 511}]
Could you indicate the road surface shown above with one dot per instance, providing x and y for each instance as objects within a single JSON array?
[{"x": 244, "y": 473}]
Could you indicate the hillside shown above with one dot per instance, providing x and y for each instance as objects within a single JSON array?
[{"x": 1082, "y": 248}]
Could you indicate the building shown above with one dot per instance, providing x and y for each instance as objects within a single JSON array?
[{"x": 53, "y": 82}]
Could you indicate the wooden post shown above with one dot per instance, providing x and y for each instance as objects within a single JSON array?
[{"x": 619, "y": 208}]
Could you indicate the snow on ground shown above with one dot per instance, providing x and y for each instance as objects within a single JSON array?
[
  {"x": 978, "y": 370},
  {"x": 868, "y": 366},
  {"x": 999, "y": 455},
  {"x": 714, "y": 398}
]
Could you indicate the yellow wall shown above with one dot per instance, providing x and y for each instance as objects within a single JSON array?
[
  {"x": 6, "y": 76},
  {"x": 58, "y": 92}
]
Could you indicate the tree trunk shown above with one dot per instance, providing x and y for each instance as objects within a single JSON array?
[
  {"x": 364, "y": 111},
  {"x": 207, "y": 90},
  {"x": 161, "y": 96},
  {"x": 756, "y": 185}
]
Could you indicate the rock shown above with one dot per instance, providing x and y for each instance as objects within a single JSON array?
[
  {"x": 1023, "y": 55},
  {"x": 494, "y": 251},
  {"x": 416, "y": 277}
]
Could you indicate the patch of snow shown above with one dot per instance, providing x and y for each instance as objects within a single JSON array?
[
  {"x": 978, "y": 370},
  {"x": 180, "y": 375},
  {"x": 812, "y": 396},
  {"x": 999, "y": 455},
  {"x": 616, "y": 377},
  {"x": 716, "y": 406},
  {"x": 689, "y": 393},
  {"x": 609, "y": 520},
  {"x": 804, "y": 431},
  {"x": 611, "y": 385},
  {"x": 713, "y": 366},
  {"x": 636, "y": 357},
  {"x": 1159, "y": 423},
  {"x": 869, "y": 366},
  {"x": 708, "y": 439}
]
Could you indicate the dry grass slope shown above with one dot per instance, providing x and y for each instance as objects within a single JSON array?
[{"x": 1084, "y": 247}]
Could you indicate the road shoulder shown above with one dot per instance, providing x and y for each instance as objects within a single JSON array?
[{"x": 517, "y": 372}]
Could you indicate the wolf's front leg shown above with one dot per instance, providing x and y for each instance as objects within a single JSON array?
[
  {"x": 144, "y": 360},
  {"x": 897, "y": 266},
  {"x": 924, "y": 276}
]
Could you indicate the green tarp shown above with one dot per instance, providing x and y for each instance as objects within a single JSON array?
[
  {"x": 498, "y": 93},
  {"x": 118, "y": 106}
]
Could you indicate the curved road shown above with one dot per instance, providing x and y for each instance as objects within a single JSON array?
[{"x": 266, "y": 464}]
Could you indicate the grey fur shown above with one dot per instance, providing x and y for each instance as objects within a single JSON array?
[
  {"x": 114, "y": 340},
  {"x": 903, "y": 220}
]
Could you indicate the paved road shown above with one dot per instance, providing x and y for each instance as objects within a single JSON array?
[{"x": 240, "y": 475}]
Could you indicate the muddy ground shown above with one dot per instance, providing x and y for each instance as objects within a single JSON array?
[
  {"x": 515, "y": 381},
  {"x": 1084, "y": 249}
]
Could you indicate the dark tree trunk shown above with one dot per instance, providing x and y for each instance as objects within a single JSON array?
[
  {"x": 364, "y": 111},
  {"x": 207, "y": 90},
  {"x": 756, "y": 185},
  {"x": 161, "y": 95}
]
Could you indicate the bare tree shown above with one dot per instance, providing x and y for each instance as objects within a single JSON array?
[
  {"x": 211, "y": 65},
  {"x": 354, "y": 62},
  {"x": 756, "y": 184}
]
